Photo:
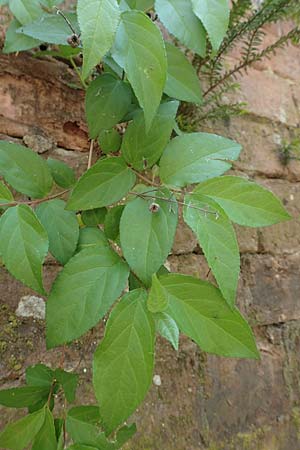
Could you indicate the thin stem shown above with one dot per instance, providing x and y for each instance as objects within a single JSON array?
[
  {"x": 142, "y": 177},
  {"x": 169, "y": 200},
  {"x": 58, "y": 11},
  {"x": 78, "y": 73},
  {"x": 90, "y": 154},
  {"x": 34, "y": 202}
]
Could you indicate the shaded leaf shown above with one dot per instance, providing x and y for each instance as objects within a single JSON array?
[
  {"x": 158, "y": 297},
  {"x": 91, "y": 237},
  {"x": 62, "y": 228},
  {"x": 142, "y": 148},
  {"x": 93, "y": 217},
  {"x": 15, "y": 42},
  {"x": 106, "y": 103},
  {"x": 109, "y": 140},
  {"x": 146, "y": 236},
  {"x": 62, "y": 174},
  {"x": 23, "y": 245},
  {"x": 68, "y": 382},
  {"x": 123, "y": 361},
  {"x": 24, "y": 170},
  {"x": 83, "y": 292},
  {"x": 46, "y": 438},
  {"x": 112, "y": 222},
  {"x": 39, "y": 375},
  {"x": 23, "y": 396}
]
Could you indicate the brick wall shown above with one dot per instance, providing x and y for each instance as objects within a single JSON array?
[{"x": 198, "y": 401}]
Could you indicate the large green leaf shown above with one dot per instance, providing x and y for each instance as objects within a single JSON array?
[
  {"x": 214, "y": 14},
  {"x": 62, "y": 228},
  {"x": 140, "y": 50},
  {"x": 23, "y": 396},
  {"x": 166, "y": 326},
  {"x": 195, "y": 157},
  {"x": 25, "y": 11},
  {"x": 106, "y": 182},
  {"x": 51, "y": 28},
  {"x": 17, "y": 435},
  {"x": 217, "y": 238},
  {"x": 147, "y": 236},
  {"x": 244, "y": 201},
  {"x": 202, "y": 314},
  {"x": 83, "y": 292},
  {"x": 182, "y": 79},
  {"x": 15, "y": 42},
  {"x": 23, "y": 245},
  {"x": 24, "y": 170},
  {"x": 46, "y": 437},
  {"x": 179, "y": 19},
  {"x": 62, "y": 174},
  {"x": 98, "y": 21},
  {"x": 143, "y": 148},
  {"x": 123, "y": 362},
  {"x": 106, "y": 103}
]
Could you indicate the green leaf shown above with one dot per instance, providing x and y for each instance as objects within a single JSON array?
[
  {"x": 17, "y": 435},
  {"x": 98, "y": 21},
  {"x": 124, "y": 434},
  {"x": 5, "y": 194},
  {"x": 143, "y": 5},
  {"x": 25, "y": 11},
  {"x": 214, "y": 14},
  {"x": 109, "y": 140},
  {"x": 202, "y": 314},
  {"x": 84, "y": 431},
  {"x": 51, "y": 28},
  {"x": 142, "y": 148},
  {"x": 244, "y": 201},
  {"x": 94, "y": 217},
  {"x": 68, "y": 382},
  {"x": 106, "y": 182},
  {"x": 23, "y": 245},
  {"x": 62, "y": 228},
  {"x": 217, "y": 238},
  {"x": 15, "y": 42},
  {"x": 139, "y": 49},
  {"x": 24, "y": 170},
  {"x": 23, "y": 396},
  {"x": 112, "y": 222},
  {"x": 167, "y": 328},
  {"x": 195, "y": 157},
  {"x": 46, "y": 438},
  {"x": 146, "y": 236},
  {"x": 106, "y": 103},
  {"x": 39, "y": 375},
  {"x": 123, "y": 362},
  {"x": 62, "y": 174},
  {"x": 178, "y": 17},
  {"x": 91, "y": 237},
  {"x": 182, "y": 79},
  {"x": 83, "y": 292},
  {"x": 158, "y": 297}
]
